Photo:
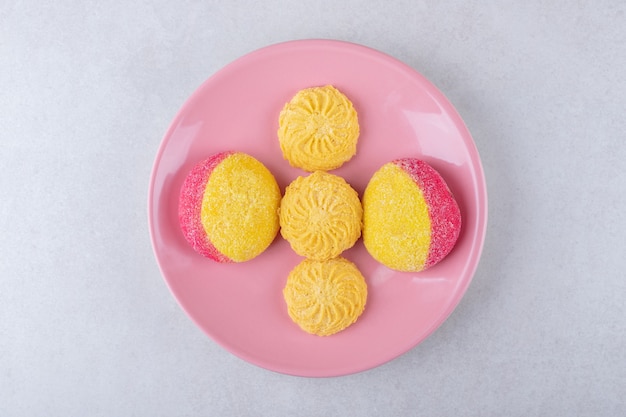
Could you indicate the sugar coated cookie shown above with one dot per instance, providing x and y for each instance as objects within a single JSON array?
[
  {"x": 411, "y": 221},
  {"x": 325, "y": 297},
  {"x": 320, "y": 215},
  {"x": 318, "y": 129},
  {"x": 228, "y": 207}
]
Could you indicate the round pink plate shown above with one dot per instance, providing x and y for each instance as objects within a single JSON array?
[{"x": 401, "y": 114}]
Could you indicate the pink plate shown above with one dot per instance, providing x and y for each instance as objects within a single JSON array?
[{"x": 401, "y": 114}]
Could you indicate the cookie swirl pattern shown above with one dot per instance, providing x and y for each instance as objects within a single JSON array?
[
  {"x": 325, "y": 297},
  {"x": 318, "y": 129},
  {"x": 320, "y": 215}
]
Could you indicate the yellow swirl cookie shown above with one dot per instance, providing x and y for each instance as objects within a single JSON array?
[
  {"x": 325, "y": 297},
  {"x": 318, "y": 129},
  {"x": 320, "y": 216}
]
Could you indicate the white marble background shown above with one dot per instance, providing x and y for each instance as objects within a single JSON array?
[{"x": 87, "y": 325}]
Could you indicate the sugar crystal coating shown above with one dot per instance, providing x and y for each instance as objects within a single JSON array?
[
  {"x": 411, "y": 220},
  {"x": 228, "y": 208},
  {"x": 190, "y": 205}
]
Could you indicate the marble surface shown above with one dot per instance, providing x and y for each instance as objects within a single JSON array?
[{"x": 87, "y": 324}]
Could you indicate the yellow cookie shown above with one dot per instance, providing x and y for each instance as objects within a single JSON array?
[
  {"x": 320, "y": 216},
  {"x": 318, "y": 129},
  {"x": 325, "y": 297}
]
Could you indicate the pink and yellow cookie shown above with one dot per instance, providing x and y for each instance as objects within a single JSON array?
[
  {"x": 325, "y": 297},
  {"x": 411, "y": 220},
  {"x": 228, "y": 207}
]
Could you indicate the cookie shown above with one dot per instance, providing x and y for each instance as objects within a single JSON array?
[
  {"x": 320, "y": 215},
  {"x": 411, "y": 220},
  {"x": 318, "y": 129},
  {"x": 325, "y": 297},
  {"x": 228, "y": 207}
]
